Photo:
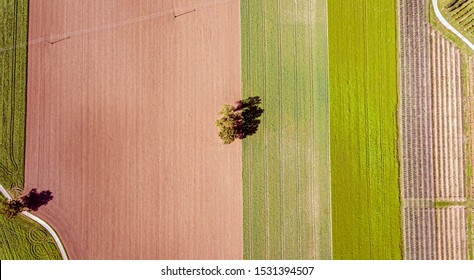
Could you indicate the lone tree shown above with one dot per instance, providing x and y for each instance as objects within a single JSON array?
[
  {"x": 29, "y": 202},
  {"x": 11, "y": 208},
  {"x": 239, "y": 121},
  {"x": 228, "y": 124}
]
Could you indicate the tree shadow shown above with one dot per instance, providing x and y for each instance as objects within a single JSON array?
[
  {"x": 251, "y": 111},
  {"x": 34, "y": 199}
]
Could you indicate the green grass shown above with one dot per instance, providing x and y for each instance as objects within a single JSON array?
[
  {"x": 447, "y": 204},
  {"x": 470, "y": 242},
  {"x": 286, "y": 164},
  {"x": 13, "y": 55},
  {"x": 20, "y": 238},
  {"x": 467, "y": 155},
  {"x": 468, "y": 152},
  {"x": 363, "y": 105}
]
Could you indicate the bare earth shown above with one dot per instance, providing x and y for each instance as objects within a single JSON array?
[
  {"x": 120, "y": 126},
  {"x": 416, "y": 122},
  {"x": 432, "y": 145}
]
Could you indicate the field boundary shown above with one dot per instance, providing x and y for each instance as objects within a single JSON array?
[{"x": 44, "y": 224}]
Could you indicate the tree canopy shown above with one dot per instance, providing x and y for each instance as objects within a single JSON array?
[
  {"x": 11, "y": 208},
  {"x": 238, "y": 122},
  {"x": 29, "y": 202}
]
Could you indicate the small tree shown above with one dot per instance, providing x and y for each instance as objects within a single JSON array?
[
  {"x": 241, "y": 121},
  {"x": 228, "y": 123},
  {"x": 11, "y": 208},
  {"x": 29, "y": 202}
]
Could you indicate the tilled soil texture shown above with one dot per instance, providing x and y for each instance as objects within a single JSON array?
[
  {"x": 122, "y": 102},
  {"x": 432, "y": 139},
  {"x": 447, "y": 96}
]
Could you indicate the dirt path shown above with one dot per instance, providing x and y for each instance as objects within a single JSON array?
[{"x": 120, "y": 127}]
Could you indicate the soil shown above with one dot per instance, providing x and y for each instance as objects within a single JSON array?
[{"x": 122, "y": 102}]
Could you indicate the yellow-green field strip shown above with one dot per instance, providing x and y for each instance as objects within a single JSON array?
[{"x": 363, "y": 104}]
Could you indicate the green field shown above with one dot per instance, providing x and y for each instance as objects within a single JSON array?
[
  {"x": 286, "y": 187},
  {"x": 13, "y": 53},
  {"x": 20, "y": 238},
  {"x": 363, "y": 105}
]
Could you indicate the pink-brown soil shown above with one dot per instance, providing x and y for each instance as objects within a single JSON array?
[{"x": 121, "y": 126}]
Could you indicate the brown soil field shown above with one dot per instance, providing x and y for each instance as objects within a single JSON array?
[
  {"x": 416, "y": 122},
  {"x": 451, "y": 233},
  {"x": 432, "y": 138},
  {"x": 447, "y": 86},
  {"x": 121, "y": 126}
]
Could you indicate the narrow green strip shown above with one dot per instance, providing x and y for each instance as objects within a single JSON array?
[{"x": 286, "y": 164}]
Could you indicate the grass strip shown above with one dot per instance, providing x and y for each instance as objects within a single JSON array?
[{"x": 286, "y": 164}]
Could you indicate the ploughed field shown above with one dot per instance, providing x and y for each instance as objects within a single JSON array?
[
  {"x": 286, "y": 184},
  {"x": 434, "y": 140},
  {"x": 122, "y": 102}
]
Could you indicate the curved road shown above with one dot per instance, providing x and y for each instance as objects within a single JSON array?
[
  {"x": 41, "y": 222},
  {"x": 449, "y": 26}
]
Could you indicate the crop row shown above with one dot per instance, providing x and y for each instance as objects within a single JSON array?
[
  {"x": 415, "y": 113},
  {"x": 461, "y": 14},
  {"x": 455, "y": 4},
  {"x": 451, "y": 233},
  {"x": 420, "y": 243},
  {"x": 416, "y": 124},
  {"x": 432, "y": 147},
  {"x": 436, "y": 233},
  {"x": 470, "y": 102},
  {"x": 447, "y": 122}
]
